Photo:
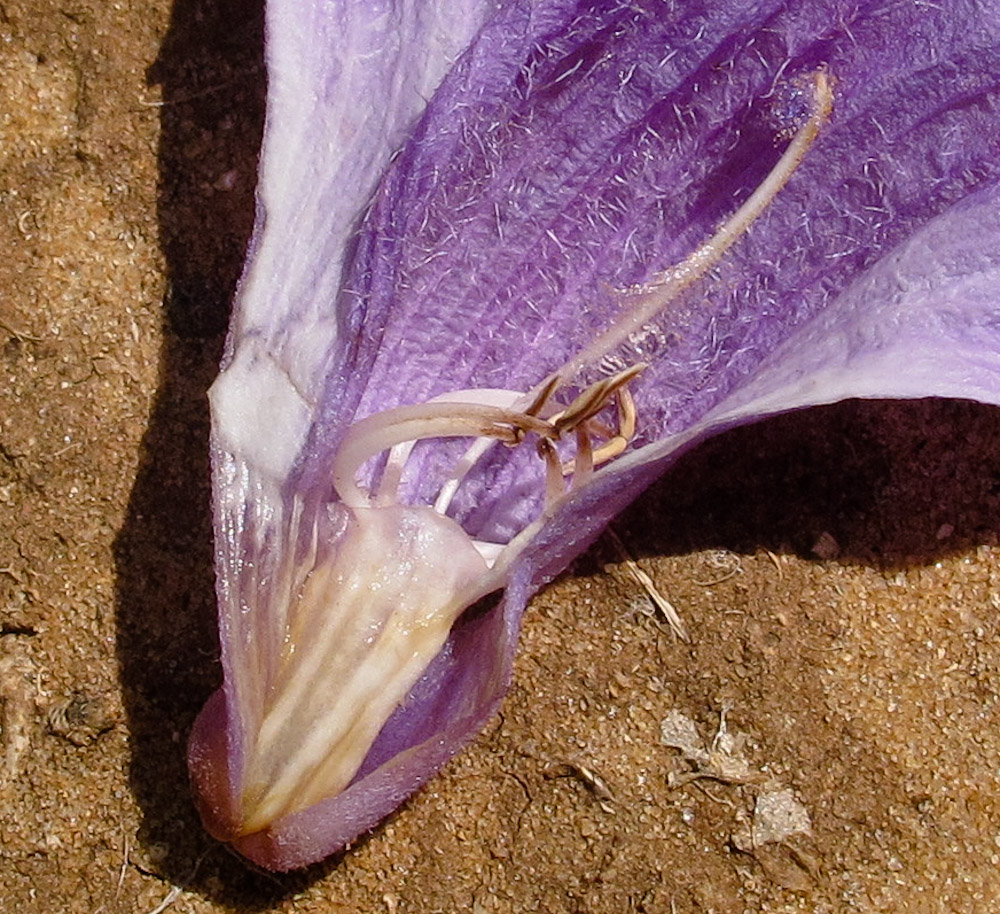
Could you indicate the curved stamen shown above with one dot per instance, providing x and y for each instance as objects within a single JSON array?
[
  {"x": 617, "y": 440},
  {"x": 398, "y": 429},
  {"x": 478, "y": 449},
  {"x": 380, "y": 432},
  {"x": 593, "y": 399},
  {"x": 583, "y": 467},
  {"x": 385, "y": 491},
  {"x": 651, "y": 298},
  {"x": 553, "y": 474}
]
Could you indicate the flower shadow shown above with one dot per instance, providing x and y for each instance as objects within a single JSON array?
[
  {"x": 884, "y": 483},
  {"x": 211, "y": 75}
]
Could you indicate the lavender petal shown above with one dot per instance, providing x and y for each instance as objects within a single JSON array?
[{"x": 574, "y": 150}]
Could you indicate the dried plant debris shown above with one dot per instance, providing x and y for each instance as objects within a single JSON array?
[
  {"x": 777, "y": 818},
  {"x": 657, "y": 601},
  {"x": 723, "y": 760},
  {"x": 587, "y": 776},
  {"x": 17, "y": 706},
  {"x": 770, "y": 836},
  {"x": 81, "y": 718}
]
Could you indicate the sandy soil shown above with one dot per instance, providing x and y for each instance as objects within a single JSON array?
[{"x": 837, "y": 572}]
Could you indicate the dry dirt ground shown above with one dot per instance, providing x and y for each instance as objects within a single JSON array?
[{"x": 835, "y": 708}]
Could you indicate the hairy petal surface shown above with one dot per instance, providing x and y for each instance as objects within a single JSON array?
[
  {"x": 575, "y": 150},
  {"x": 346, "y": 82}
]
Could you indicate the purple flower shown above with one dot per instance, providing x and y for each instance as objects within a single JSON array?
[{"x": 472, "y": 329}]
